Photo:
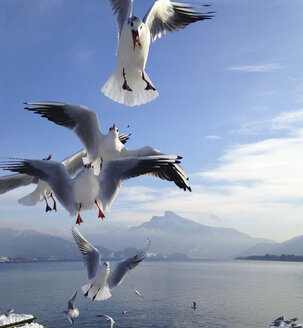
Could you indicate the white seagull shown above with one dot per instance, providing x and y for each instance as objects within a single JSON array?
[
  {"x": 129, "y": 84},
  {"x": 136, "y": 291},
  {"x": 43, "y": 191},
  {"x": 101, "y": 278},
  {"x": 86, "y": 190},
  {"x": 101, "y": 147},
  {"x": 72, "y": 312},
  {"x": 112, "y": 322}
]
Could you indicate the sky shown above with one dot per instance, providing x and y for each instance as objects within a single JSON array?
[{"x": 230, "y": 103}]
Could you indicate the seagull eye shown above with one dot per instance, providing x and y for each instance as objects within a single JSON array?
[{"x": 140, "y": 27}]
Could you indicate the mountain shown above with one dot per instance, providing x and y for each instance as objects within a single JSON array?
[
  {"x": 32, "y": 244},
  {"x": 172, "y": 233},
  {"x": 29, "y": 244},
  {"x": 293, "y": 246}
]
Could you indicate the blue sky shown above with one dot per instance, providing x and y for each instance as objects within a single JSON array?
[{"x": 230, "y": 103}]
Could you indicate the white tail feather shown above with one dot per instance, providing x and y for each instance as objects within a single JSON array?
[
  {"x": 96, "y": 294},
  {"x": 113, "y": 88},
  {"x": 31, "y": 199}
]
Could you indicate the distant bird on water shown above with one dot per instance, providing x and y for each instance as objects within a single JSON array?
[
  {"x": 9, "y": 312},
  {"x": 129, "y": 84},
  {"x": 112, "y": 322},
  {"x": 137, "y": 292},
  {"x": 101, "y": 278},
  {"x": 72, "y": 312}
]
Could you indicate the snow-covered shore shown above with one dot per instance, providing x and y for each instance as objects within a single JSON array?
[{"x": 14, "y": 318}]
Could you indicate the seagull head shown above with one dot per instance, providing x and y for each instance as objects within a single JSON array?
[
  {"x": 88, "y": 166},
  {"x": 136, "y": 26},
  {"x": 114, "y": 130},
  {"x": 106, "y": 265}
]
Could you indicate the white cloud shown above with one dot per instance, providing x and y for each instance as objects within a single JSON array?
[
  {"x": 264, "y": 68},
  {"x": 213, "y": 137}
]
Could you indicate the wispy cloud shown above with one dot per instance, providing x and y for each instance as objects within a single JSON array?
[
  {"x": 263, "y": 68},
  {"x": 214, "y": 137}
]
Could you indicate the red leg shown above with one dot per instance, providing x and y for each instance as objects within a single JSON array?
[
  {"x": 101, "y": 214},
  {"x": 125, "y": 85},
  {"x": 148, "y": 85},
  {"x": 48, "y": 208},
  {"x": 79, "y": 219},
  {"x": 55, "y": 204}
]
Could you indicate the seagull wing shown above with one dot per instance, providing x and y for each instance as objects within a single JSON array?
[
  {"x": 108, "y": 318},
  {"x": 13, "y": 181},
  {"x": 118, "y": 275},
  {"x": 115, "y": 172},
  {"x": 124, "y": 137},
  {"x": 80, "y": 119},
  {"x": 91, "y": 255},
  {"x": 165, "y": 15},
  {"x": 124, "y": 10},
  {"x": 74, "y": 163},
  {"x": 52, "y": 172},
  {"x": 173, "y": 173},
  {"x": 71, "y": 302}
]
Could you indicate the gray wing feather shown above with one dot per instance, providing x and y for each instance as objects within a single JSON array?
[
  {"x": 80, "y": 119},
  {"x": 118, "y": 275},
  {"x": 91, "y": 255},
  {"x": 54, "y": 173},
  {"x": 115, "y": 172},
  {"x": 123, "y": 9},
  {"x": 71, "y": 302},
  {"x": 165, "y": 15},
  {"x": 13, "y": 181},
  {"x": 74, "y": 163}
]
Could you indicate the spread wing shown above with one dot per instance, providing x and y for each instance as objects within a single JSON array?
[
  {"x": 52, "y": 172},
  {"x": 74, "y": 163},
  {"x": 124, "y": 137},
  {"x": 115, "y": 172},
  {"x": 71, "y": 302},
  {"x": 80, "y": 119},
  {"x": 124, "y": 10},
  {"x": 117, "y": 276},
  {"x": 165, "y": 15},
  {"x": 91, "y": 255},
  {"x": 13, "y": 181}
]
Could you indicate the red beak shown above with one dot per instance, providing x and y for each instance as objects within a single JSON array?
[
  {"x": 114, "y": 126},
  {"x": 89, "y": 165}
]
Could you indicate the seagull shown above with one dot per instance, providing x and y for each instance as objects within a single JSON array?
[
  {"x": 112, "y": 322},
  {"x": 101, "y": 278},
  {"x": 43, "y": 191},
  {"x": 9, "y": 312},
  {"x": 73, "y": 165},
  {"x": 129, "y": 84},
  {"x": 72, "y": 312},
  {"x": 124, "y": 312},
  {"x": 136, "y": 291},
  {"x": 86, "y": 190},
  {"x": 101, "y": 147}
]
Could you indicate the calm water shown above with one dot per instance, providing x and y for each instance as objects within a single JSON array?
[{"x": 228, "y": 294}]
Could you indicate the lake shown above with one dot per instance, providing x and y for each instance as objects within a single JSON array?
[{"x": 231, "y": 294}]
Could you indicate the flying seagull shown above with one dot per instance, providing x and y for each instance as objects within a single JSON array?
[
  {"x": 136, "y": 291},
  {"x": 129, "y": 84},
  {"x": 112, "y": 322},
  {"x": 72, "y": 312},
  {"x": 101, "y": 278},
  {"x": 43, "y": 191},
  {"x": 101, "y": 147},
  {"x": 86, "y": 190}
]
